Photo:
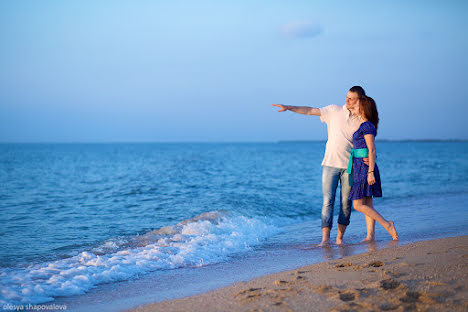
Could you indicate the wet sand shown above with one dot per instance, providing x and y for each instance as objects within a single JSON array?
[{"x": 422, "y": 276}]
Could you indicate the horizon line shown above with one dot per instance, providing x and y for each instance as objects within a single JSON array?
[{"x": 219, "y": 142}]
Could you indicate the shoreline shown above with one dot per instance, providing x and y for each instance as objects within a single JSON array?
[{"x": 426, "y": 275}]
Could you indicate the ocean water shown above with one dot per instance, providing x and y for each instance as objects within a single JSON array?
[{"x": 77, "y": 217}]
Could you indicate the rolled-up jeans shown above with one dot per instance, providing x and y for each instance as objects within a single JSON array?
[{"x": 330, "y": 178}]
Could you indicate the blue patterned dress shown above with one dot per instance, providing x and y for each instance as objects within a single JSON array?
[{"x": 360, "y": 188}]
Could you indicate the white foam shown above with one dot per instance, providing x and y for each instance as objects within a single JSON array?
[{"x": 206, "y": 239}]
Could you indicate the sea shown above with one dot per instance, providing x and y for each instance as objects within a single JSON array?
[{"x": 106, "y": 227}]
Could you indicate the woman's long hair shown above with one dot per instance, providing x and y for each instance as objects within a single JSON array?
[{"x": 369, "y": 108}]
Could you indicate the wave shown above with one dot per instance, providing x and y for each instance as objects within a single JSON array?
[{"x": 209, "y": 238}]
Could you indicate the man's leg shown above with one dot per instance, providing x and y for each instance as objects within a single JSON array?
[
  {"x": 325, "y": 236},
  {"x": 345, "y": 206},
  {"x": 339, "y": 235},
  {"x": 330, "y": 178}
]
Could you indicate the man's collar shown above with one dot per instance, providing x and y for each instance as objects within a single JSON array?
[{"x": 350, "y": 114}]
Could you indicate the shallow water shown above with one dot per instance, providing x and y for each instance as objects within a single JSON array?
[{"x": 79, "y": 216}]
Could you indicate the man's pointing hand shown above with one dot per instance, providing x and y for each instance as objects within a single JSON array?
[{"x": 283, "y": 107}]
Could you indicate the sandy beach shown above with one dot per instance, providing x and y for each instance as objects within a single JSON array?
[{"x": 422, "y": 276}]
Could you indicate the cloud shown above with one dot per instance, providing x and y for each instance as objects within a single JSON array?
[{"x": 301, "y": 29}]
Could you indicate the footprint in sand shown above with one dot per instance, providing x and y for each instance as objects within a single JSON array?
[
  {"x": 388, "y": 284},
  {"x": 348, "y": 265},
  {"x": 343, "y": 265},
  {"x": 352, "y": 294},
  {"x": 249, "y": 290},
  {"x": 352, "y": 306},
  {"x": 279, "y": 283},
  {"x": 388, "y": 306},
  {"x": 395, "y": 274},
  {"x": 347, "y": 295},
  {"x": 410, "y": 297},
  {"x": 364, "y": 292},
  {"x": 375, "y": 264},
  {"x": 249, "y": 293},
  {"x": 323, "y": 289}
]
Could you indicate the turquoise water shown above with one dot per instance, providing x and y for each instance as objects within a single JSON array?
[{"x": 73, "y": 216}]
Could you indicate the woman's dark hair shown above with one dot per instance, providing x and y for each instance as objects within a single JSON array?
[
  {"x": 359, "y": 90},
  {"x": 369, "y": 108}
]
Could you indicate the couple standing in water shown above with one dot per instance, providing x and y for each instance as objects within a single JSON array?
[{"x": 350, "y": 159}]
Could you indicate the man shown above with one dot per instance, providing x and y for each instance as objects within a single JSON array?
[{"x": 341, "y": 124}]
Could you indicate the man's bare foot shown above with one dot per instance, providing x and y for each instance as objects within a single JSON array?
[
  {"x": 339, "y": 241},
  {"x": 391, "y": 229},
  {"x": 325, "y": 242},
  {"x": 368, "y": 240}
]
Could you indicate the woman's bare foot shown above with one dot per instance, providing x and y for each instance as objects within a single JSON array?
[
  {"x": 339, "y": 241},
  {"x": 368, "y": 240},
  {"x": 391, "y": 229}
]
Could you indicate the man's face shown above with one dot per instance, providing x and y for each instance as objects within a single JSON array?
[{"x": 351, "y": 100}]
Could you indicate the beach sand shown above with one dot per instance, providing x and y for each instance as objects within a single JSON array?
[{"x": 422, "y": 276}]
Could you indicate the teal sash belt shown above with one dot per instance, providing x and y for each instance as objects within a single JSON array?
[{"x": 358, "y": 153}]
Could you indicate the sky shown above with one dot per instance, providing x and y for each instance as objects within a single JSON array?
[{"x": 207, "y": 71}]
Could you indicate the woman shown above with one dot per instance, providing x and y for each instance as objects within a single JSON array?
[{"x": 366, "y": 178}]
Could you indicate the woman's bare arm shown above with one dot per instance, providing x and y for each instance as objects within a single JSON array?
[{"x": 369, "y": 138}]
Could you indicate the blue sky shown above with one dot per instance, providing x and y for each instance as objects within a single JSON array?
[{"x": 110, "y": 71}]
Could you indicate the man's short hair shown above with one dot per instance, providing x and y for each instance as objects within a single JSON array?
[{"x": 359, "y": 90}]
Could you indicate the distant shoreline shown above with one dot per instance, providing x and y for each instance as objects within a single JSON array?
[
  {"x": 387, "y": 140},
  {"x": 241, "y": 142}
]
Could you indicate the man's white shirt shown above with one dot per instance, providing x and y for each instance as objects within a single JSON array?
[{"x": 341, "y": 126}]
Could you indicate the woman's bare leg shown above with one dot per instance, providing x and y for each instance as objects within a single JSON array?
[
  {"x": 361, "y": 205},
  {"x": 370, "y": 223}
]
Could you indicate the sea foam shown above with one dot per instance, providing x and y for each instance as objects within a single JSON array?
[{"x": 208, "y": 238}]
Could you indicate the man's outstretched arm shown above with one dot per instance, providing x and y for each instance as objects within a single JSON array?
[{"x": 305, "y": 110}]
